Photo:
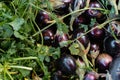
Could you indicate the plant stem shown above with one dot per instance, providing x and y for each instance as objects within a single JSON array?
[
  {"x": 99, "y": 26},
  {"x": 2, "y": 50},
  {"x": 40, "y": 32},
  {"x": 9, "y": 75},
  {"x": 34, "y": 58},
  {"x": 93, "y": 62},
  {"x": 84, "y": 57},
  {"x": 25, "y": 58},
  {"x": 44, "y": 69},
  {"x": 21, "y": 67},
  {"x": 81, "y": 77},
  {"x": 80, "y": 10}
]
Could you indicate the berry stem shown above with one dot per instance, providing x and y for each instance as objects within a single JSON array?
[{"x": 84, "y": 57}]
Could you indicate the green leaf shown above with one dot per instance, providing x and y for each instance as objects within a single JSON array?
[
  {"x": 45, "y": 52},
  {"x": 1, "y": 67},
  {"x": 80, "y": 69},
  {"x": 11, "y": 51},
  {"x": 55, "y": 52},
  {"x": 85, "y": 27},
  {"x": 64, "y": 43},
  {"x": 92, "y": 23},
  {"x": 47, "y": 58},
  {"x": 6, "y": 31},
  {"x": 24, "y": 72},
  {"x": 17, "y": 23},
  {"x": 41, "y": 57},
  {"x": 74, "y": 49},
  {"x": 18, "y": 35},
  {"x": 62, "y": 27},
  {"x": 112, "y": 12}
]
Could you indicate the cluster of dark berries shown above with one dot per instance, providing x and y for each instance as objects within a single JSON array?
[{"x": 89, "y": 29}]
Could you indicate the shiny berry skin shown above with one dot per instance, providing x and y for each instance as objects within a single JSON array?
[
  {"x": 94, "y": 47},
  {"x": 97, "y": 35},
  {"x": 48, "y": 37},
  {"x": 60, "y": 38},
  {"x": 103, "y": 61},
  {"x": 114, "y": 69},
  {"x": 92, "y": 12},
  {"x": 94, "y": 50},
  {"x": 82, "y": 19},
  {"x": 111, "y": 46},
  {"x": 42, "y": 18},
  {"x": 101, "y": 19},
  {"x": 91, "y": 76},
  {"x": 83, "y": 39},
  {"x": 62, "y": 9},
  {"x": 57, "y": 76},
  {"x": 67, "y": 1},
  {"x": 67, "y": 65}
]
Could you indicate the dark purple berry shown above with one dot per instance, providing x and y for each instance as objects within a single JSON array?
[
  {"x": 67, "y": 65},
  {"x": 91, "y": 76},
  {"x": 112, "y": 46},
  {"x": 103, "y": 61},
  {"x": 48, "y": 37},
  {"x": 57, "y": 76},
  {"x": 101, "y": 19},
  {"x": 96, "y": 34},
  {"x": 59, "y": 38},
  {"x": 79, "y": 33},
  {"x": 42, "y": 18},
  {"x": 93, "y": 12},
  {"x": 94, "y": 47},
  {"x": 82, "y": 19},
  {"x": 62, "y": 9}
]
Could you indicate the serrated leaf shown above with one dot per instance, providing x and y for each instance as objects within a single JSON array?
[
  {"x": 85, "y": 27},
  {"x": 11, "y": 51},
  {"x": 62, "y": 28},
  {"x": 55, "y": 52},
  {"x": 46, "y": 52},
  {"x": 17, "y": 23},
  {"x": 12, "y": 48},
  {"x": 6, "y": 31},
  {"x": 80, "y": 69},
  {"x": 74, "y": 49},
  {"x": 64, "y": 43}
]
